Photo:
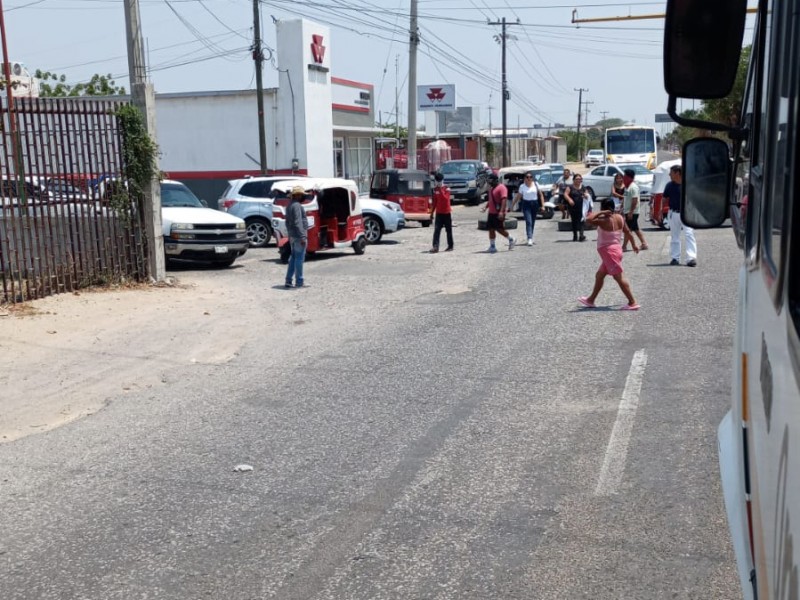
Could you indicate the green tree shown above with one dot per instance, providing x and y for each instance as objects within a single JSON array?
[
  {"x": 727, "y": 110},
  {"x": 606, "y": 123},
  {"x": 52, "y": 85}
]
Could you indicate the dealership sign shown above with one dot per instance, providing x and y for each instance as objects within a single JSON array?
[{"x": 436, "y": 97}]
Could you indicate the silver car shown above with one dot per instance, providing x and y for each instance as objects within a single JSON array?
[
  {"x": 380, "y": 217},
  {"x": 600, "y": 179}
]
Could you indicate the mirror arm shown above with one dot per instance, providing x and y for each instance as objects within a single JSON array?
[{"x": 734, "y": 132}]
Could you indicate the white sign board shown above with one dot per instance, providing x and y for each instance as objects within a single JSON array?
[{"x": 436, "y": 97}]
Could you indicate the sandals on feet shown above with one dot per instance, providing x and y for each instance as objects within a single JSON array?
[
  {"x": 585, "y": 302},
  {"x": 630, "y": 307}
]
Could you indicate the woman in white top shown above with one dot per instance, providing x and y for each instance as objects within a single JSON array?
[{"x": 532, "y": 200}]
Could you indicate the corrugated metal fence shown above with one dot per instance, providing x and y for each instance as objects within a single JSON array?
[{"x": 60, "y": 158}]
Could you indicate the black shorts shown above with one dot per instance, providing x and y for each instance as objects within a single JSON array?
[
  {"x": 633, "y": 222},
  {"x": 494, "y": 221}
]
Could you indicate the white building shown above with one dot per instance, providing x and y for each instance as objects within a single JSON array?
[{"x": 316, "y": 124}]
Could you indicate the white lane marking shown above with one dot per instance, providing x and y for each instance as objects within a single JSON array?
[{"x": 617, "y": 450}]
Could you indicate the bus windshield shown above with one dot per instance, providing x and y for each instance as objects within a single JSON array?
[{"x": 630, "y": 141}]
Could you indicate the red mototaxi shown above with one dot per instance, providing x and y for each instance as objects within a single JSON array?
[
  {"x": 333, "y": 211},
  {"x": 410, "y": 188}
]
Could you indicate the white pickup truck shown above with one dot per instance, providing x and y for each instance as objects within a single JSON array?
[{"x": 194, "y": 232}]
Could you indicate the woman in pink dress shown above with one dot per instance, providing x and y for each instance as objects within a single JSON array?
[{"x": 610, "y": 227}]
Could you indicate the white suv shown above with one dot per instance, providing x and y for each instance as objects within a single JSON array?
[
  {"x": 249, "y": 199},
  {"x": 594, "y": 157}
]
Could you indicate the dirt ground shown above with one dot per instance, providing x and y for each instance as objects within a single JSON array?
[{"x": 67, "y": 356}]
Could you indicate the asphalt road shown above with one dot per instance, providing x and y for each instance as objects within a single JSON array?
[{"x": 447, "y": 426}]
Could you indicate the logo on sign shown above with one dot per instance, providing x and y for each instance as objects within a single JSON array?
[
  {"x": 317, "y": 49},
  {"x": 435, "y": 94}
]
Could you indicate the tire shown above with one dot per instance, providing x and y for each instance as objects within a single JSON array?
[
  {"x": 425, "y": 223},
  {"x": 664, "y": 224},
  {"x": 592, "y": 194},
  {"x": 285, "y": 252},
  {"x": 373, "y": 229},
  {"x": 259, "y": 232},
  {"x": 547, "y": 214},
  {"x": 360, "y": 245}
]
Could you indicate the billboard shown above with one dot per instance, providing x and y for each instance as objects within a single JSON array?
[{"x": 436, "y": 97}]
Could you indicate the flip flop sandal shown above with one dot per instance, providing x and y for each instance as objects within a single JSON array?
[
  {"x": 585, "y": 302},
  {"x": 630, "y": 307}
]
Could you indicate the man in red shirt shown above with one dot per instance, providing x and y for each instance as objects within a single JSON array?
[
  {"x": 497, "y": 204},
  {"x": 441, "y": 208}
]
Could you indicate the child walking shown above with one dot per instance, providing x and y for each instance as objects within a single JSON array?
[{"x": 610, "y": 228}]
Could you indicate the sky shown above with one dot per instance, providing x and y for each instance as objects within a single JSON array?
[{"x": 201, "y": 45}]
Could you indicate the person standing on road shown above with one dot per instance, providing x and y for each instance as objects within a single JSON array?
[
  {"x": 562, "y": 184},
  {"x": 610, "y": 228},
  {"x": 576, "y": 196},
  {"x": 441, "y": 211},
  {"x": 297, "y": 230},
  {"x": 532, "y": 200},
  {"x": 618, "y": 192},
  {"x": 673, "y": 191},
  {"x": 630, "y": 208},
  {"x": 496, "y": 205}
]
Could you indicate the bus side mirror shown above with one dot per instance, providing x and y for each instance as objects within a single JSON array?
[
  {"x": 705, "y": 193},
  {"x": 702, "y": 44}
]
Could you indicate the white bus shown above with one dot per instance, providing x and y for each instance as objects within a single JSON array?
[
  {"x": 753, "y": 175},
  {"x": 631, "y": 144}
]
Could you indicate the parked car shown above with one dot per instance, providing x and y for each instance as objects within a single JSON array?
[
  {"x": 600, "y": 179},
  {"x": 467, "y": 179},
  {"x": 594, "y": 157},
  {"x": 193, "y": 232},
  {"x": 659, "y": 207},
  {"x": 249, "y": 199},
  {"x": 381, "y": 217}
]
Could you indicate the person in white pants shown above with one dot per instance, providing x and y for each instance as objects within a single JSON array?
[{"x": 673, "y": 191}]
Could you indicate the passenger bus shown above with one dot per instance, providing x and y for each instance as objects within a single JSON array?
[
  {"x": 749, "y": 169},
  {"x": 631, "y": 144}
]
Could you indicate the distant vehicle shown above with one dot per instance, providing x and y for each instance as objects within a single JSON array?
[
  {"x": 600, "y": 180},
  {"x": 380, "y": 217},
  {"x": 631, "y": 144},
  {"x": 249, "y": 198},
  {"x": 594, "y": 156},
  {"x": 409, "y": 188},
  {"x": 536, "y": 159},
  {"x": 467, "y": 179},
  {"x": 759, "y": 437},
  {"x": 193, "y": 232}
]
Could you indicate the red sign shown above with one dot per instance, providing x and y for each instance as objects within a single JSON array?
[
  {"x": 317, "y": 49},
  {"x": 435, "y": 94}
]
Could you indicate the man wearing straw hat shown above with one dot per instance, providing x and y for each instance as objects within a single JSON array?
[{"x": 297, "y": 229}]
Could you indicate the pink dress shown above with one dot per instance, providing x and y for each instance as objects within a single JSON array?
[{"x": 609, "y": 247}]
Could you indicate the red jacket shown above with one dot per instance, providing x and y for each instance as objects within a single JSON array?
[{"x": 441, "y": 200}]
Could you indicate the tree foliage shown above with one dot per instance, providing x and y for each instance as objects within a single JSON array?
[
  {"x": 727, "y": 110},
  {"x": 52, "y": 85}
]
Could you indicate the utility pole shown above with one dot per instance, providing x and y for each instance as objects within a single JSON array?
[
  {"x": 586, "y": 104},
  {"x": 604, "y": 113},
  {"x": 397, "y": 98},
  {"x": 580, "y": 110},
  {"x": 144, "y": 98},
  {"x": 413, "y": 39},
  {"x": 504, "y": 86},
  {"x": 258, "y": 58}
]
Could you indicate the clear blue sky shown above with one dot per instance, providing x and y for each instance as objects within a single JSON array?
[{"x": 197, "y": 45}]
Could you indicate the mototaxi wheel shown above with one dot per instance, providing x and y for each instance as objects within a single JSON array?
[
  {"x": 360, "y": 245},
  {"x": 284, "y": 252}
]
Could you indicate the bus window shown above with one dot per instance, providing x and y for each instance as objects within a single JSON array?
[{"x": 780, "y": 144}]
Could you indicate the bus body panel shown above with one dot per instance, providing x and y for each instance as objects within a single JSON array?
[{"x": 631, "y": 144}]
